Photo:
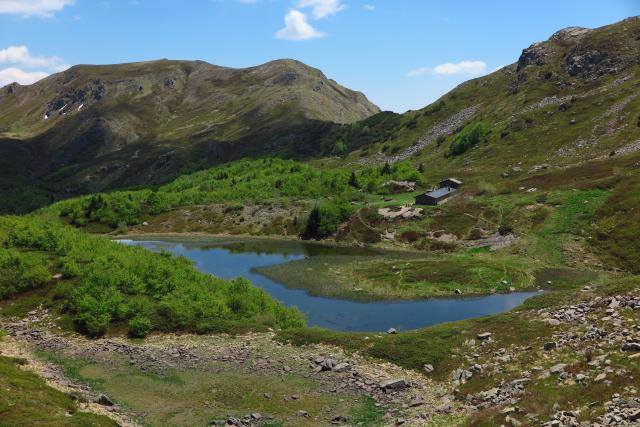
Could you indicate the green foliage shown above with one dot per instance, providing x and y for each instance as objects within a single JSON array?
[
  {"x": 616, "y": 234},
  {"x": 21, "y": 271},
  {"x": 353, "y": 180},
  {"x": 323, "y": 221},
  {"x": 340, "y": 149},
  {"x": 139, "y": 327},
  {"x": 470, "y": 136},
  {"x": 376, "y": 129},
  {"x": 118, "y": 283},
  {"x": 235, "y": 184}
]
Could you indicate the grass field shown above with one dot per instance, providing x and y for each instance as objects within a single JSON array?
[{"x": 26, "y": 400}]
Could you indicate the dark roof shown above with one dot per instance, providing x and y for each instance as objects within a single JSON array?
[{"x": 441, "y": 192}]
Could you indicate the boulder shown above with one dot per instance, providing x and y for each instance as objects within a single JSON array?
[
  {"x": 630, "y": 346},
  {"x": 104, "y": 400},
  {"x": 395, "y": 384},
  {"x": 484, "y": 336},
  {"x": 341, "y": 367}
]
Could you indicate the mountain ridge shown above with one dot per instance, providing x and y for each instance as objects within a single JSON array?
[{"x": 95, "y": 127}]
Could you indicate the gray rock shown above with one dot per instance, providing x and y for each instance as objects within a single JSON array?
[
  {"x": 233, "y": 421},
  {"x": 630, "y": 346},
  {"x": 428, "y": 368},
  {"x": 558, "y": 369},
  {"x": 328, "y": 364},
  {"x": 104, "y": 400},
  {"x": 392, "y": 331},
  {"x": 341, "y": 367},
  {"x": 484, "y": 336},
  {"x": 303, "y": 413},
  {"x": 395, "y": 384},
  {"x": 416, "y": 402}
]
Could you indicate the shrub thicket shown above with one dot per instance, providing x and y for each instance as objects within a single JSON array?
[
  {"x": 468, "y": 137},
  {"x": 235, "y": 184},
  {"x": 323, "y": 221},
  {"x": 107, "y": 282}
]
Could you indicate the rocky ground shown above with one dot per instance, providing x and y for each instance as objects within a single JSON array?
[
  {"x": 406, "y": 396},
  {"x": 593, "y": 343},
  {"x": 587, "y": 355}
]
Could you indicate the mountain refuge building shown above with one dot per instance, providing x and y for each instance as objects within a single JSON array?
[{"x": 447, "y": 188}]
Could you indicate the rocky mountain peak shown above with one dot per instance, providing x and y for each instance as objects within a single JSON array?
[{"x": 569, "y": 34}]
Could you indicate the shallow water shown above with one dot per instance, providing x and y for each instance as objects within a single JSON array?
[{"x": 232, "y": 259}]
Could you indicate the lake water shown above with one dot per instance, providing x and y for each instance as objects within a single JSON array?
[{"x": 232, "y": 259}]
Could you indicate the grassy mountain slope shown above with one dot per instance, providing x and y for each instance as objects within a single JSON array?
[
  {"x": 95, "y": 127},
  {"x": 566, "y": 100}
]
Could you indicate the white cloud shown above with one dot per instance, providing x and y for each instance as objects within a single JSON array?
[
  {"x": 296, "y": 27},
  {"x": 10, "y": 75},
  {"x": 44, "y": 8},
  {"x": 472, "y": 68},
  {"x": 368, "y": 7},
  {"x": 467, "y": 68},
  {"x": 19, "y": 55},
  {"x": 19, "y": 58},
  {"x": 322, "y": 8}
]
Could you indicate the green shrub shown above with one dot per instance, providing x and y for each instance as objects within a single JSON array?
[
  {"x": 323, "y": 221},
  {"x": 21, "y": 271},
  {"x": 470, "y": 136},
  {"x": 486, "y": 189},
  {"x": 139, "y": 327},
  {"x": 117, "y": 283}
]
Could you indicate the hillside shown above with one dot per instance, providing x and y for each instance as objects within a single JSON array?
[
  {"x": 96, "y": 127},
  {"x": 515, "y": 301},
  {"x": 569, "y": 99}
]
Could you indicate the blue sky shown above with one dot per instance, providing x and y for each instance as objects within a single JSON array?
[{"x": 403, "y": 54}]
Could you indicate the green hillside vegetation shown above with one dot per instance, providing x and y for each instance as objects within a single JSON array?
[
  {"x": 468, "y": 138},
  {"x": 236, "y": 184},
  {"x": 106, "y": 283},
  {"x": 617, "y": 231},
  {"x": 539, "y": 111}
]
